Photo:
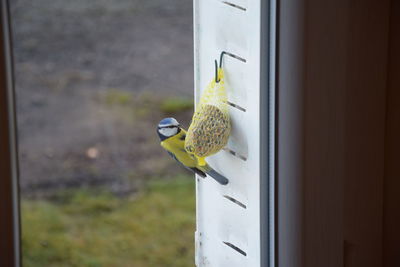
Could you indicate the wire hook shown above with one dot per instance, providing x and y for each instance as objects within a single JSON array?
[{"x": 220, "y": 66}]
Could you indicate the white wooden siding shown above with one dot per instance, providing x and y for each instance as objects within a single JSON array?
[{"x": 228, "y": 217}]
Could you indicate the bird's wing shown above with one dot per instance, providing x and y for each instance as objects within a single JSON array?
[
  {"x": 195, "y": 170},
  {"x": 173, "y": 156},
  {"x": 199, "y": 172}
]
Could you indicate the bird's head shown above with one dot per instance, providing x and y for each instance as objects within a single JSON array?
[{"x": 168, "y": 127}]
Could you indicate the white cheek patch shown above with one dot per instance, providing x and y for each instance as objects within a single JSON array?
[
  {"x": 171, "y": 122},
  {"x": 168, "y": 131}
]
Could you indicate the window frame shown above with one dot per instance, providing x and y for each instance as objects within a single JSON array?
[{"x": 9, "y": 192}]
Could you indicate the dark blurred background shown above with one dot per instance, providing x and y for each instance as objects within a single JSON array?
[{"x": 93, "y": 78}]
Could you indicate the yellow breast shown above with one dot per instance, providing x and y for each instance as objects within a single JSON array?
[{"x": 176, "y": 145}]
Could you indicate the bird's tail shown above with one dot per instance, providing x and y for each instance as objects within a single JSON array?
[{"x": 216, "y": 176}]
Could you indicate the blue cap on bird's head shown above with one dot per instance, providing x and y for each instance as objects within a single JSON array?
[
  {"x": 167, "y": 127},
  {"x": 168, "y": 122}
]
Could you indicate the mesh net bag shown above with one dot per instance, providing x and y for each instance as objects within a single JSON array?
[{"x": 210, "y": 128}]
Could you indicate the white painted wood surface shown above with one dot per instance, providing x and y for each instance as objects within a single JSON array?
[{"x": 232, "y": 26}]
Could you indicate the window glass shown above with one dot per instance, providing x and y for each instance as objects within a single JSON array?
[{"x": 93, "y": 79}]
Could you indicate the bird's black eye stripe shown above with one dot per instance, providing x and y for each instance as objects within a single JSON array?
[{"x": 171, "y": 126}]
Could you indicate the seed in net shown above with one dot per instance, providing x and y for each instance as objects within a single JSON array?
[{"x": 209, "y": 131}]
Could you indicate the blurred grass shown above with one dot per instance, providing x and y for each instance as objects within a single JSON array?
[
  {"x": 117, "y": 97},
  {"x": 92, "y": 228},
  {"x": 176, "y": 104},
  {"x": 144, "y": 103}
]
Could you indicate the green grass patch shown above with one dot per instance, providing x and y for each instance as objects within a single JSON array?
[
  {"x": 176, "y": 104},
  {"x": 91, "y": 228},
  {"x": 117, "y": 97}
]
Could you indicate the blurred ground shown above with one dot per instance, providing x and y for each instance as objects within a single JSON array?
[{"x": 93, "y": 79}]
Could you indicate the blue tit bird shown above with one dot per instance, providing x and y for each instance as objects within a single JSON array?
[{"x": 172, "y": 138}]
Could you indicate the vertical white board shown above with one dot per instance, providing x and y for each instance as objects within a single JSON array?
[{"x": 228, "y": 217}]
